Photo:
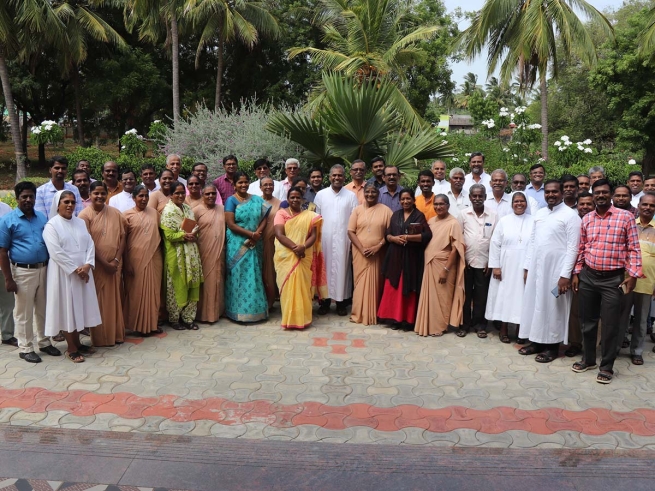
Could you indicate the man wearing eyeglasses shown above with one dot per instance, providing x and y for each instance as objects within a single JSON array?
[
  {"x": 124, "y": 201},
  {"x": 357, "y": 172},
  {"x": 292, "y": 169},
  {"x": 390, "y": 193}
]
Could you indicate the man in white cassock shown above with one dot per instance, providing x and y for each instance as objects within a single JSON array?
[
  {"x": 124, "y": 201},
  {"x": 549, "y": 261},
  {"x": 336, "y": 204}
]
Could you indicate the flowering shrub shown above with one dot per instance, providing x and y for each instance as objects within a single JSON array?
[
  {"x": 569, "y": 153},
  {"x": 47, "y": 132},
  {"x": 132, "y": 143},
  {"x": 157, "y": 132}
]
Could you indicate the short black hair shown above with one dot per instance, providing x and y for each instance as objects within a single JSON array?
[
  {"x": 536, "y": 166},
  {"x": 230, "y": 157},
  {"x": 554, "y": 181},
  {"x": 622, "y": 186},
  {"x": 636, "y": 173},
  {"x": 57, "y": 158},
  {"x": 261, "y": 163},
  {"x": 80, "y": 171},
  {"x": 316, "y": 169},
  {"x": 128, "y": 171},
  {"x": 147, "y": 166},
  {"x": 165, "y": 170},
  {"x": 97, "y": 184},
  {"x": 584, "y": 194},
  {"x": 239, "y": 174},
  {"x": 292, "y": 189},
  {"x": 197, "y": 164},
  {"x": 602, "y": 182},
  {"x": 476, "y": 154},
  {"x": 298, "y": 179},
  {"x": 379, "y": 158},
  {"x": 24, "y": 186},
  {"x": 569, "y": 178},
  {"x": 425, "y": 173}
]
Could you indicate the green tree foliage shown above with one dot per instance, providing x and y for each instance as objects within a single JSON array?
[{"x": 625, "y": 76}]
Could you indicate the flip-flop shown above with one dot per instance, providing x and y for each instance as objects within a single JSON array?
[
  {"x": 75, "y": 357},
  {"x": 461, "y": 333},
  {"x": 482, "y": 334},
  {"x": 531, "y": 349},
  {"x": 545, "y": 357},
  {"x": 604, "y": 377}
]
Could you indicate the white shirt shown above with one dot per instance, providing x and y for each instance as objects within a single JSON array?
[
  {"x": 485, "y": 180},
  {"x": 635, "y": 199},
  {"x": 123, "y": 201},
  {"x": 255, "y": 190},
  {"x": 283, "y": 189},
  {"x": 457, "y": 204},
  {"x": 156, "y": 188},
  {"x": 477, "y": 232},
  {"x": 502, "y": 208}
]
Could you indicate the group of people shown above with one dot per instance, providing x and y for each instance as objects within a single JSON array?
[{"x": 100, "y": 257}]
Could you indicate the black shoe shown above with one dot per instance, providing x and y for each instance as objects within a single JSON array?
[
  {"x": 342, "y": 310},
  {"x": 12, "y": 341},
  {"x": 50, "y": 350},
  {"x": 31, "y": 357},
  {"x": 521, "y": 340},
  {"x": 323, "y": 307}
]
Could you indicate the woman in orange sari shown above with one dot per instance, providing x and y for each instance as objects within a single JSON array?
[
  {"x": 268, "y": 268},
  {"x": 211, "y": 242},
  {"x": 367, "y": 229},
  {"x": 106, "y": 226},
  {"x": 194, "y": 190},
  {"x": 298, "y": 261},
  {"x": 442, "y": 290},
  {"x": 160, "y": 198},
  {"x": 143, "y": 266}
]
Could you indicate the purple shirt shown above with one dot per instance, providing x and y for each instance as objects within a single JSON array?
[
  {"x": 224, "y": 187},
  {"x": 392, "y": 201}
]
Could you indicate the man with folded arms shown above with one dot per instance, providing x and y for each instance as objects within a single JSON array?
[
  {"x": 609, "y": 246},
  {"x": 24, "y": 260}
]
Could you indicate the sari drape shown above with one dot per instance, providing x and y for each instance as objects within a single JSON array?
[
  {"x": 245, "y": 299},
  {"x": 369, "y": 225},
  {"x": 143, "y": 270},
  {"x": 211, "y": 242},
  {"x": 441, "y": 305},
  {"x": 182, "y": 259},
  {"x": 107, "y": 229},
  {"x": 299, "y": 279}
]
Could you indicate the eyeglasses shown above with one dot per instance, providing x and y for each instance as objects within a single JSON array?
[
  {"x": 193, "y": 184},
  {"x": 518, "y": 182},
  {"x": 357, "y": 170},
  {"x": 391, "y": 175},
  {"x": 292, "y": 167},
  {"x": 68, "y": 202}
]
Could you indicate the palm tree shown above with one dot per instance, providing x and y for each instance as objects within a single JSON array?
[
  {"x": 357, "y": 121},
  {"x": 371, "y": 39},
  {"x": 468, "y": 88},
  {"x": 522, "y": 36},
  {"x": 229, "y": 21},
  {"x": 156, "y": 18},
  {"x": 21, "y": 23},
  {"x": 84, "y": 23}
]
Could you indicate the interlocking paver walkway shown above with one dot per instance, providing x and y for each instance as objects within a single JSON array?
[{"x": 333, "y": 382}]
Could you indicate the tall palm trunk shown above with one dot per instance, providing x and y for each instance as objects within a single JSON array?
[
  {"x": 78, "y": 106},
  {"x": 219, "y": 73},
  {"x": 21, "y": 169},
  {"x": 175, "y": 49},
  {"x": 544, "y": 116}
]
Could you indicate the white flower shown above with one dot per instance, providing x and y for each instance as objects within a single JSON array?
[
  {"x": 47, "y": 127},
  {"x": 535, "y": 126},
  {"x": 632, "y": 162},
  {"x": 561, "y": 149},
  {"x": 567, "y": 143},
  {"x": 156, "y": 121},
  {"x": 564, "y": 138},
  {"x": 444, "y": 142},
  {"x": 587, "y": 141},
  {"x": 557, "y": 143},
  {"x": 503, "y": 109},
  {"x": 514, "y": 155},
  {"x": 525, "y": 160},
  {"x": 455, "y": 159},
  {"x": 131, "y": 132},
  {"x": 48, "y": 122},
  {"x": 36, "y": 130},
  {"x": 467, "y": 154},
  {"x": 520, "y": 110},
  {"x": 581, "y": 148},
  {"x": 505, "y": 149},
  {"x": 122, "y": 147},
  {"x": 588, "y": 150},
  {"x": 139, "y": 137}
]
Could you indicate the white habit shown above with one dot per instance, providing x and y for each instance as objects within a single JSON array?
[
  {"x": 71, "y": 304},
  {"x": 336, "y": 209},
  {"x": 551, "y": 255},
  {"x": 123, "y": 201},
  {"x": 509, "y": 244}
]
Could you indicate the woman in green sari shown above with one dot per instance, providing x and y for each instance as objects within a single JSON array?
[
  {"x": 183, "y": 271},
  {"x": 245, "y": 217}
]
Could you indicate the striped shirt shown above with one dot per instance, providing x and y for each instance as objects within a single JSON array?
[
  {"x": 609, "y": 242},
  {"x": 46, "y": 193}
]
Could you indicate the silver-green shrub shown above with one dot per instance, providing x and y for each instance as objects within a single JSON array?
[{"x": 208, "y": 136}]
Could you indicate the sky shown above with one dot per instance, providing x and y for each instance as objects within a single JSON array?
[{"x": 478, "y": 66}]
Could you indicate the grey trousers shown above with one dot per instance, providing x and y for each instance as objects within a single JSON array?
[
  {"x": 600, "y": 298},
  {"x": 641, "y": 302},
  {"x": 6, "y": 311}
]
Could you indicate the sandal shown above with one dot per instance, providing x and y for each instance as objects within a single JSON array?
[
  {"x": 545, "y": 357},
  {"x": 504, "y": 338},
  {"x": 521, "y": 340},
  {"x": 86, "y": 350},
  {"x": 178, "y": 327},
  {"x": 625, "y": 343},
  {"x": 191, "y": 327},
  {"x": 59, "y": 337},
  {"x": 461, "y": 333},
  {"x": 531, "y": 349},
  {"x": 637, "y": 360},
  {"x": 437, "y": 334},
  {"x": 581, "y": 366},
  {"x": 75, "y": 357},
  {"x": 604, "y": 377},
  {"x": 159, "y": 330},
  {"x": 482, "y": 334},
  {"x": 574, "y": 350}
]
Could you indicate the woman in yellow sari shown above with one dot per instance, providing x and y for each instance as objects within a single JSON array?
[
  {"x": 442, "y": 290},
  {"x": 298, "y": 261}
]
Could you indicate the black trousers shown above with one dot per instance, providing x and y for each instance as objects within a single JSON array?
[
  {"x": 600, "y": 298},
  {"x": 476, "y": 286}
]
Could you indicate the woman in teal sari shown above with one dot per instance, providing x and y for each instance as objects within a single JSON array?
[{"x": 245, "y": 217}]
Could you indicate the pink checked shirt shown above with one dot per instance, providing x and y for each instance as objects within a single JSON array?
[{"x": 610, "y": 242}]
